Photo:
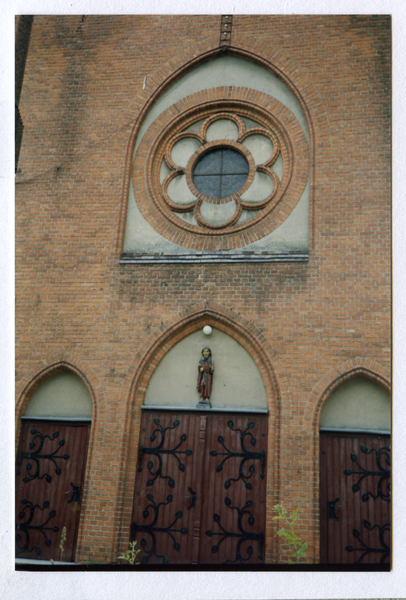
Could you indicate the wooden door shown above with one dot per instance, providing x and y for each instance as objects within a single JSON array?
[
  {"x": 355, "y": 510},
  {"x": 166, "y": 487},
  {"x": 50, "y": 469},
  {"x": 200, "y": 488},
  {"x": 234, "y": 490}
]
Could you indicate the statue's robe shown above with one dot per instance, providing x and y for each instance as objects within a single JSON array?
[{"x": 205, "y": 378}]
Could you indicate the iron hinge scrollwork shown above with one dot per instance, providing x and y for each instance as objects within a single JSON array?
[
  {"x": 158, "y": 451},
  {"x": 26, "y": 526},
  {"x": 384, "y": 549},
  {"x": 36, "y": 456},
  {"x": 382, "y": 472},
  {"x": 242, "y": 535},
  {"x": 245, "y": 456},
  {"x": 152, "y": 530}
]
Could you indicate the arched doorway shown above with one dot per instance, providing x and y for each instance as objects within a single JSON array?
[
  {"x": 50, "y": 468},
  {"x": 200, "y": 493},
  {"x": 355, "y": 467}
]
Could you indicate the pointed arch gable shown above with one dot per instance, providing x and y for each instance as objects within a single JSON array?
[
  {"x": 330, "y": 381},
  {"x": 315, "y": 402},
  {"x": 52, "y": 364},
  {"x": 334, "y": 378},
  {"x": 289, "y": 72},
  {"x": 146, "y": 361},
  {"x": 24, "y": 391},
  {"x": 183, "y": 324}
]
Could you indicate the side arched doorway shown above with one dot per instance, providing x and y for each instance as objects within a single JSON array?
[
  {"x": 200, "y": 491},
  {"x": 50, "y": 468},
  {"x": 355, "y": 469}
]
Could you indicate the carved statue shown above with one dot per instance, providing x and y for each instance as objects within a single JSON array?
[{"x": 205, "y": 377}]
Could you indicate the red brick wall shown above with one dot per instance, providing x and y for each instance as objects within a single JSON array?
[{"x": 307, "y": 324}]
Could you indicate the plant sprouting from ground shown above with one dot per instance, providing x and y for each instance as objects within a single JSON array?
[
  {"x": 63, "y": 540},
  {"x": 131, "y": 554},
  {"x": 288, "y": 534}
]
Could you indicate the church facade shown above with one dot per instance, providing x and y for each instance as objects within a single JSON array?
[{"x": 203, "y": 288}]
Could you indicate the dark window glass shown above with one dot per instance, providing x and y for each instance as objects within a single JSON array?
[{"x": 220, "y": 172}]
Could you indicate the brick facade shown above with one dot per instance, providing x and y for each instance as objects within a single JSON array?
[{"x": 308, "y": 326}]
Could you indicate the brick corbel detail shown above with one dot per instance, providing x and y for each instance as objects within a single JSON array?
[{"x": 144, "y": 364}]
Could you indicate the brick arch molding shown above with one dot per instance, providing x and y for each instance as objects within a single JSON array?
[
  {"x": 253, "y": 104},
  {"x": 290, "y": 73},
  {"x": 33, "y": 379},
  {"x": 144, "y": 364},
  {"x": 46, "y": 367},
  {"x": 318, "y": 397},
  {"x": 337, "y": 376}
]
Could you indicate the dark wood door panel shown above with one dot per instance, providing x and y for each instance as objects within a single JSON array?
[
  {"x": 234, "y": 490},
  {"x": 50, "y": 470},
  {"x": 200, "y": 488},
  {"x": 355, "y": 527},
  {"x": 164, "y": 510}
]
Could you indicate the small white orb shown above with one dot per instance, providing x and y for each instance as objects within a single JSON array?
[{"x": 207, "y": 330}]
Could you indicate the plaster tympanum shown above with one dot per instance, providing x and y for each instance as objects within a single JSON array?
[
  {"x": 63, "y": 394},
  {"x": 225, "y": 71},
  {"x": 358, "y": 404},
  {"x": 237, "y": 382}
]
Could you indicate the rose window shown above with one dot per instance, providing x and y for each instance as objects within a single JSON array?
[{"x": 221, "y": 172}]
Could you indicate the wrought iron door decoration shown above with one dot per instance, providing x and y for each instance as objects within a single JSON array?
[
  {"x": 45, "y": 502},
  {"x": 36, "y": 456},
  {"x": 159, "y": 450},
  {"x": 75, "y": 493},
  {"x": 26, "y": 526},
  {"x": 384, "y": 474},
  {"x": 171, "y": 527},
  {"x": 331, "y": 509},
  {"x": 241, "y": 534},
  {"x": 193, "y": 499},
  {"x": 151, "y": 529},
  {"x": 385, "y": 549},
  {"x": 245, "y": 456}
]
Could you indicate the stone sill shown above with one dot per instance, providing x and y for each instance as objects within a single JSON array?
[
  {"x": 262, "y": 411},
  {"x": 201, "y": 257}
]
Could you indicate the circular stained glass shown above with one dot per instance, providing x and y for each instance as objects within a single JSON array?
[{"x": 220, "y": 172}]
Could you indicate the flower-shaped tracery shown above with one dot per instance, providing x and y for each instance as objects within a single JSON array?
[{"x": 221, "y": 172}]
